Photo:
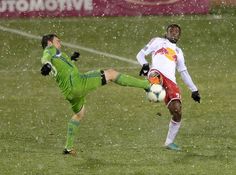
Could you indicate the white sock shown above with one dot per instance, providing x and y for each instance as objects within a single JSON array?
[{"x": 173, "y": 130}]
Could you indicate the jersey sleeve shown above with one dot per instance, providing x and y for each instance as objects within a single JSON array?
[
  {"x": 46, "y": 57},
  {"x": 48, "y": 54},
  {"x": 188, "y": 80},
  {"x": 151, "y": 46},
  {"x": 180, "y": 61}
]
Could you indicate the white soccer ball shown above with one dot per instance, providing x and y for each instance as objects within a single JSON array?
[{"x": 156, "y": 94}]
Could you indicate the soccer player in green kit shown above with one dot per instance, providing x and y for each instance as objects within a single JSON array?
[{"x": 75, "y": 85}]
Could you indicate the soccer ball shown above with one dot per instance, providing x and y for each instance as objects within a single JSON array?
[{"x": 156, "y": 94}]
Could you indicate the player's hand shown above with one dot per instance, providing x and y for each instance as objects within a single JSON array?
[
  {"x": 196, "y": 96},
  {"x": 46, "y": 69},
  {"x": 75, "y": 56},
  {"x": 144, "y": 70}
]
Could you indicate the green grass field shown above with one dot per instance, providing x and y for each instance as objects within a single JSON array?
[{"x": 121, "y": 133}]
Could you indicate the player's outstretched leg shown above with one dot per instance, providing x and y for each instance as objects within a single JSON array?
[{"x": 125, "y": 80}]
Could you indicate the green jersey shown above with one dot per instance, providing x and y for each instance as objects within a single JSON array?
[
  {"x": 72, "y": 83},
  {"x": 62, "y": 68}
]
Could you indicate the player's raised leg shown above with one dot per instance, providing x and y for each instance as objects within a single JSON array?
[{"x": 125, "y": 80}]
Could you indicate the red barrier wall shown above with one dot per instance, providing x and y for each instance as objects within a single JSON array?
[{"x": 56, "y": 8}]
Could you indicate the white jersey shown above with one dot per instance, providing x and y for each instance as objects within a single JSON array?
[{"x": 166, "y": 57}]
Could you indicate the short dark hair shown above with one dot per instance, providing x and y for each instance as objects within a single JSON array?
[
  {"x": 46, "y": 38},
  {"x": 173, "y": 25}
]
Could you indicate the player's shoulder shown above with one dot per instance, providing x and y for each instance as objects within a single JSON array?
[
  {"x": 50, "y": 50},
  {"x": 155, "y": 40},
  {"x": 53, "y": 51},
  {"x": 158, "y": 38},
  {"x": 179, "y": 50}
]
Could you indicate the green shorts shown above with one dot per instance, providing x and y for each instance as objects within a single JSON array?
[{"x": 82, "y": 84}]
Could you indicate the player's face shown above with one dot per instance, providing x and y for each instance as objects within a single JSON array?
[
  {"x": 173, "y": 34},
  {"x": 56, "y": 42}
]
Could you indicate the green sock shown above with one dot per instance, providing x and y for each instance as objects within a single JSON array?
[
  {"x": 71, "y": 130},
  {"x": 126, "y": 80}
]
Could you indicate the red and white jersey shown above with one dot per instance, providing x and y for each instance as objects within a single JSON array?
[{"x": 166, "y": 57}]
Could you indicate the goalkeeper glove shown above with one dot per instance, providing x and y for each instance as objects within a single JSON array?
[
  {"x": 144, "y": 70},
  {"x": 46, "y": 69},
  {"x": 196, "y": 96},
  {"x": 75, "y": 56}
]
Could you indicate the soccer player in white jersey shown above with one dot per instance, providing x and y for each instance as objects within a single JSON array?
[{"x": 166, "y": 59}]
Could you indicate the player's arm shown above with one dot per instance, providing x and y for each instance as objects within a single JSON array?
[
  {"x": 149, "y": 48},
  {"x": 188, "y": 81},
  {"x": 46, "y": 63},
  {"x": 143, "y": 62},
  {"x": 182, "y": 69}
]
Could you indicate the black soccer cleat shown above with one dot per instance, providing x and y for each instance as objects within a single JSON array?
[{"x": 69, "y": 152}]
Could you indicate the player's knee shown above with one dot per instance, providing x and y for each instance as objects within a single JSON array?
[
  {"x": 176, "y": 111},
  {"x": 176, "y": 115},
  {"x": 77, "y": 117},
  {"x": 111, "y": 74}
]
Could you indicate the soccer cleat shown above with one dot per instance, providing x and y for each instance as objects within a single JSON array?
[
  {"x": 155, "y": 77},
  {"x": 154, "y": 80},
  {"x": 173, "y": 147},
  {"x": 69, "y": 152},
  {"x": 147, "y": 89}
]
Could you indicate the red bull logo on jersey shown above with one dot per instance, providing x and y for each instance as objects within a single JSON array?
[{"x": 168, "y": 52}]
